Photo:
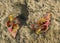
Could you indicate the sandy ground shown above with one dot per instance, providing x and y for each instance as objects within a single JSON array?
[{"x": 32, "y": 10}]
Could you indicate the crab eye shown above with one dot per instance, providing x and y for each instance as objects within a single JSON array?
[{"x": 44, "y": 22}]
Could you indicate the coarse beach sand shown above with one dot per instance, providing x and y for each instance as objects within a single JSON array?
[{"x": 31, "y": 10}]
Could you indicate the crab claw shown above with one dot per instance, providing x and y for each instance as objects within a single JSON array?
[
  {"x": 10, "y": 18},
  {"x": 15, "y": 28},
  {"x": 38, "y": 31}
]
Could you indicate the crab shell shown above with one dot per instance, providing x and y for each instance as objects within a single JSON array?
[
  {"x": 44, "y": 27},
  {"x": 13, "y": 27}
]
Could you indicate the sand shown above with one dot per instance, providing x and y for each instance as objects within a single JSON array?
[{"x": 32, "y": 10}]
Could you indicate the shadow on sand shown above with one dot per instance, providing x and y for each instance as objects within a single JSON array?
[{"x": 23, "y": 18}]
